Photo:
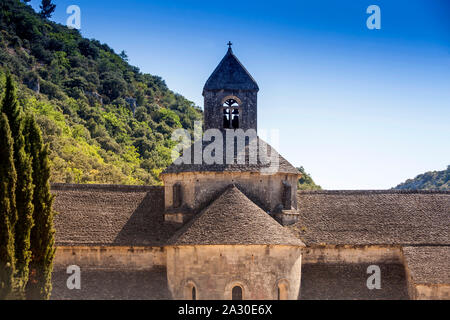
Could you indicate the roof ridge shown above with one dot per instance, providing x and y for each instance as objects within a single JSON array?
[
  {"x": 284, "y": 166},
  {"x": 387, "y": 191},
  {"x": 103, "y": 187}
]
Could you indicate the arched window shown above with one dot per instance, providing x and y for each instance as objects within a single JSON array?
[
  {"x": 230, "y": 114},
  {"x": 190, "y": 291},
  {"x": 194, "y": 293},
  {"x": 236, "y": 293},
  {"x": 177, "y": 195},
  {"x": 282, "y": 290},
  {"x": 286, "y": 196}
]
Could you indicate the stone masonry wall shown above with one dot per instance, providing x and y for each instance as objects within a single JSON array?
[
  {"x": 352, "y": 254},
  {"x": 430, "y": 292},
  {"x": 216, "y": 269},
  {"x": 213, "y": 115},
  {"x": 199, "y": 189},
  {"x": 137, "y": 258}
]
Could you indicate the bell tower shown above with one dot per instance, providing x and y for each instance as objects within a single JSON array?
[{"x": 230, "y": 95}]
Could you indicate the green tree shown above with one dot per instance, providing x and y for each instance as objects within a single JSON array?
[
  {"x": 47, "y": 8},
  {"x": 43, "y": 233},
  {"x": 82, "y": 82},
  {"x": 431, "y": 180},
  {"x": 24, "y": 186},
  {"x": 306, "y": 182},
  {"x": 8, "y": 214},
  {"x": 113, "y": 86},
  {"x": 123, "y": 55}
]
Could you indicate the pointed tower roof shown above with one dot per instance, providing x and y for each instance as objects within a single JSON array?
[
  {"x": 283, "y": 166},
  {"x": 233, "y": 219},
  {"x": 230, "y": 74}
]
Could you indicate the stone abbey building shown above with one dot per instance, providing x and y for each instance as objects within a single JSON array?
[{"x": 237, "y": 230}]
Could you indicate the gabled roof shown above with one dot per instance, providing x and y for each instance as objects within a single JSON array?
[
  {"x": 230, "y": 74},
  {"x": 428, "y": 265},
  {"x": 110, "y": 215},
  {"x": 233, "y": 219},
  {"x": 374, "y": 217},
  {"x": 275, "y": 164},
  {"x": 133, "y": 216}
]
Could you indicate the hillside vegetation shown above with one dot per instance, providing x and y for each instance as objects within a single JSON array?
[
  {"x": 432, "y": 180},
  {"x": 306, "y": 182},
  {"x": 105, "y": 121}
]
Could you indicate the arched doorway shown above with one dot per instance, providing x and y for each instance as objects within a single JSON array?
[
  {"x": 194, "y": 293},
  {"x": 236, "y": 293},
  {"x": 190, "y": 291},
  {"x": 282, "y": 288}
]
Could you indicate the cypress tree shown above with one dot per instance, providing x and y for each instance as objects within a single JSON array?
[
  {"x": 8, "y": 212},
  {"x": 42, "y": 233},
  {"x": 24, "y": 187}
]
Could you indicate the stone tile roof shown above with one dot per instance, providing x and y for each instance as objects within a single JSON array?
[
  {"x": 428, "y": 265},
  {"x": 283, "y": 166},
  {"x": 118, "y": 284},
  {"x": 133, "y": 215},
  {"x": 374, "y": 217},
  {"x": 230, "y": 74},
  {"x": 110, "y": 215},
  {"x": 233, "y": 219}
]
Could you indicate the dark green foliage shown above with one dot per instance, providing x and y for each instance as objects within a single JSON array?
[
  {"x": 24, "y": 240},
  {"x": 306, "y": 182},
  {"x": 10, "y": 107},
  {"x": 88, "y": 49},
  {"x": 113, "y": 86},
  {"x": 8, "y": 212},
  {"x": 24, "y": 187},
  {"x": 47, "y": 8},
  {"x": 123, "y": 55},
  {"x": 432, "y": 180},
  {"x": 42, "y": 233},
  {"x": 105, "y": 121}
]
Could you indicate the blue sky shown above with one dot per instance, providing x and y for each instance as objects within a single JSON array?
[{"x": 358, "y": 108}]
